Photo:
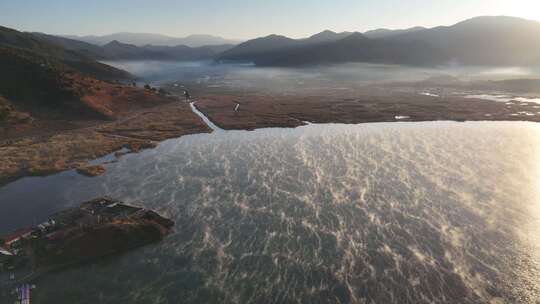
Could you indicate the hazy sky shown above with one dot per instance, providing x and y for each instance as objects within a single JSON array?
[{"x": 246, "y": 18}]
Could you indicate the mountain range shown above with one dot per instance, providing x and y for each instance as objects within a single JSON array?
[
  {"x": 501, "y": 41},
  {"x": 116, "y": 50},
  {"x": 259, "y": 48},
  {"x": 141, "y": 39},
  {"x": 497, "y": 40},
  {"x": 478, "y": 41}
]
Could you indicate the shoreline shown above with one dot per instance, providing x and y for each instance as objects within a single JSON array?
[
  {"x": 144, "y": 129},
  {"x": 43, "y": 155}
]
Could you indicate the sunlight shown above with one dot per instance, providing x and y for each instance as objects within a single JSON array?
[{"x": 529, "y": 9}]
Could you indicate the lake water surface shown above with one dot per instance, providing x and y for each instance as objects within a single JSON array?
[{"x": 438, "y": 212}]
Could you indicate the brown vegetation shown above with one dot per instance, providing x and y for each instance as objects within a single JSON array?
[
  {"x": 42, "y": 152},
  {"x": 10, "y": 117},
  {"x": 259, "y": 111}
]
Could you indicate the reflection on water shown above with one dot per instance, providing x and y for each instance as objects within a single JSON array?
[{"x": 379, "y": 213}]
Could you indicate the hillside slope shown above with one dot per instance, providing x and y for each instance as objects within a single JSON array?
[
  {"x": 30, "y": 43},
  {"x": 498, "y": 40},
  {"x": 47, "y": 88},
  {"x": 52, "y": 82},
  {"x": 87, "y": 49}
]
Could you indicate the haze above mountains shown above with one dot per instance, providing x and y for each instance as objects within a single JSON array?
[
  {"x": 141, "y": 39},
  {"x": 116, "y": 50},
  {"x": 499, "y": 41}
]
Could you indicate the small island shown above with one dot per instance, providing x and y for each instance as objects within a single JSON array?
[{"x": 96, "y": 228}]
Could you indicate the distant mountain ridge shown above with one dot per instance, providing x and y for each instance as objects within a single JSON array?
[
  {"x": 116, "y": 50},
  {"x": 486, "y": 40},
  {"x": 253, "y": 50},
  {"x": 141, "y": 39},
  {"x": 326, "y": 36},
  {"x": 497, "y": 40},
  {"x": 384, "y": 33},
  {"x": 354, "y": 48}
]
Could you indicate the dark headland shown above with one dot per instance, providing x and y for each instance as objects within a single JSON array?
[{"x": 95, "y": 229}]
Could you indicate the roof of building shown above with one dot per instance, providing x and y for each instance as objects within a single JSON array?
[
  {"x": 17, "y": 234},
  {"x": 5, "y": 251}
]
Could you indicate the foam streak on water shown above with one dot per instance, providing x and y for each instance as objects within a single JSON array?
[{"x": 377, "y": 213}]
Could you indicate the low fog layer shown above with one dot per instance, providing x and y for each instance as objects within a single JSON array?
[{"x": 209, "y": 76}]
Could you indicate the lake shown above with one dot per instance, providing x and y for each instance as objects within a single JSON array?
[{"x": 436, "y": 212}]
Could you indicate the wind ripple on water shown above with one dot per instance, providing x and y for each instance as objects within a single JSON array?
[{"x": 383, "y": 213}]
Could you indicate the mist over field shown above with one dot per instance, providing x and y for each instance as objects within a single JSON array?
[{"x": 331, "y": 77}]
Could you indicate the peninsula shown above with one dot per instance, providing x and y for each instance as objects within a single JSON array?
[{"x": 94, "y": 229}]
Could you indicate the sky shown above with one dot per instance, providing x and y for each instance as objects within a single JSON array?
[{"x": 245, "y": 19}]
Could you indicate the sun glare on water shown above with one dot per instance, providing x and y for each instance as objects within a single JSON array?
[{"x": 530, "y": 231}]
